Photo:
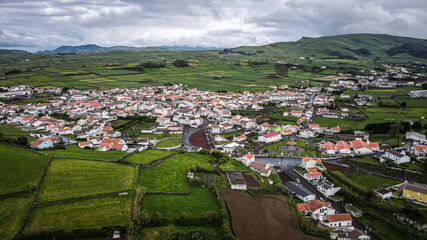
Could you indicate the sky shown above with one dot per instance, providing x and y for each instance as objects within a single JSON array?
[{"x": 46, "y": 25}]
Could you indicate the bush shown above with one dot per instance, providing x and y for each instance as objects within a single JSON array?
[
  {"x": 180, "y": 63},
  {"x": 199, "y": 234},
  {"x": 210, "y": 216}
]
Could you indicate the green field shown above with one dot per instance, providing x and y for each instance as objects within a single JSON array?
[
  {"x": 11, "y": 212},
  {"x": 170, "y": 142},
  {"x": 75, "y": 151},
  {"x": 83, "y": 214},
  {"x": 194, "y": 205},
  {"x": 12, "y": 132},
  {"x": 233, "y": 165},
  {"x": 171, "y": 174},
  {"x": 19, "y": 168},
  {"x": 372, "y": 181},
  {"x": 70, "y": 178},
  {"x": 161, "y": 233},
  {"x": 147, "y": 156}
]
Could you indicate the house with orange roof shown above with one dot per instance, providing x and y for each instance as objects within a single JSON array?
[
  {"x": 85, "y": 144},
  {"x": 339, "y": 221},
  {"x": 112, "y": 144},
  {"x": 361, "y": 147},
  {"x": 41, "y": 144},
  {"x": 343, "y": 147},
  {"x": 247, "y": 159},
  {"x": 420, "y": 151},
  {"x": 328, "y": 148},
  {"x": 316, "y": 209}
]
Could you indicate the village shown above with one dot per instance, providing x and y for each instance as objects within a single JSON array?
[{"x": 172, "y": 117}]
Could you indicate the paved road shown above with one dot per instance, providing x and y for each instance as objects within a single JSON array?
[
  {"x": 280, "y": 162},
  {"x": 188, "y": 131}
]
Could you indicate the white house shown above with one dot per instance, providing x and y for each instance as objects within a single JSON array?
[
  {"x": 270, "y": 137},
  {"x": 397, "y": 157},
  {"x": 327, "y": 188},
  {"x": 231, "y": 147},
  {"x": 247, "y": 159},
  {"x": 339, "y": 221},
  {"x": 299, "y": 191},
  {"x": 307, "y": 133},
  {"x": 420, "y": 151},
  {"x": 317, "y": 209},
  {"x": 384, "y": 193}
]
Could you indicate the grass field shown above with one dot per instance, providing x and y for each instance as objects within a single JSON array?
[
  {"x": 83, "y": 214},
  {"x": 70, "y": 178},
  {"x": 161, "y": 233},
  {"x": 372, "y": 181},
  {"x": 75, "y": 151},
  {"x": 170, "y": 142},
  {"x": 194, "y": 205},
  {"x": 11, "y": 212},
  {"x": 147, "y": 156},
  {"x": 12, "y": 132},
  {"x": 19, "y": 168},
  {"x": 233, "y": 165},
  {"x": 171, "y": 174}
]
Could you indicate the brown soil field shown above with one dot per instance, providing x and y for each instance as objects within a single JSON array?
[
  {"x": 344, "y": 170},
  {"x": 251, "y": 181},
  {"x": 198, "y": 139},
  {"x": 263, "y": 217}
]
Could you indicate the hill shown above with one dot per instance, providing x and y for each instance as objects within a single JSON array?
[
  {"x": 351, "y": 46},
  {"x": 13, "y": 51}
]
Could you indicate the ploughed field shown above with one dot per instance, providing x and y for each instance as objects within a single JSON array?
[
  {"x": 198, "y": 139},
  {"x": 262, "y": 217}
]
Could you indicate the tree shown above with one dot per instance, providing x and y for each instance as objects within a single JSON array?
[
  {"x": 210, "y": 216},
  {"x": 180, "y": 63},
  {"x": 416, "y": 126},
  {"x": 22, "y": 140},
  {"x": 395, "y": 129},
  {"x": 183, "y": 215},
  {"x": 178, "y": 235},
  {"x": 403, "y": 104},
  {"x": 156, "y": 217}
]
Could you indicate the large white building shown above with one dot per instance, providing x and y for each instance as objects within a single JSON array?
[
  {"x": 270, "y": 137},
  {"x": 397, "y": 157}
]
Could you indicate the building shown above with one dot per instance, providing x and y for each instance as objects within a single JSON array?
[
  {"x": 316, "y": 209},
  {"x": 299, "y": 191},
  {"x": 355, "y": 212},
  {"x": 416, "y": 137},
  {"x": 237, "y": 181},
  {"x": 397, "y": 157},
  {"x": 415, "y": 192},
  {"x": 356, "y": 234},
  {"x": 247, "y": 159},
  {"x": 262, "y": 167},
  {"x": 420, "y": 151},
  {"x": 327, "y": 188},
  {"x": 308, "y": 162},
  {"x": 339, "y": 221},
  {"x": 384, "y": 193},
  {"x": 41, "y": 144},
  {"x": 270, "y": 137}
]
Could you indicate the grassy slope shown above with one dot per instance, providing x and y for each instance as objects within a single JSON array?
[
  {"x": 91, "y": 213},
  {"x": 372, "y": 181},
  {"x": 69, "y": 178},
  {"x": 19, "y": 168}
]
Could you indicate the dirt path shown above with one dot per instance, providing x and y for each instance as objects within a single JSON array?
[{"x": 263, "y": 217}]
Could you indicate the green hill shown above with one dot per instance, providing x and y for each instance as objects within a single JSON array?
[
  {"x": 363, "y": 47},
  {"x": 12, "y": 51}
]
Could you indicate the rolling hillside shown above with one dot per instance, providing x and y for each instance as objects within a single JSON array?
[{"x": 363, "y": 47}]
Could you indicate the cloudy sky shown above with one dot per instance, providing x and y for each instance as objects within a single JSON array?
[{"x": 41, "y": 25}]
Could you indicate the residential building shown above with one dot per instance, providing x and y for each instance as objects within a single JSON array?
[
  {"x": 270, "y": 137},
  {"x": 299, "y": 191},
  {"x": 327, "y": 188},
  {"x": 397, "y": 157},
  {"x": 316, "y": 209},
  {"x": 415, "y": 192}
]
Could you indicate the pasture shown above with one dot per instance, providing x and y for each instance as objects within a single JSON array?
[
  {"x": 147, "y": 156},
  {"x": 372, "y": 181},
  {"x": 171, "y": 174},
  {"x": 233, "y": 165},
  {"x": 19, "y": 169},
  {"x": 82, "y": 214},
  {"x": 11, "y": 212},
  {"x": 194, "y": 205},
  {"x": 70, "y": 178},
  {"x": 75, "y": 151},
  {"x": 170, "y": 142}
]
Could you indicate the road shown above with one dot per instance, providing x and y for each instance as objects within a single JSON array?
[{"x": 188, "y": 131}]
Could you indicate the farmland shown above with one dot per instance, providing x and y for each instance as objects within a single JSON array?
[
  {"x": 270, "y": 216},
  {"x": 91, "y": 213},
  {"x": 147, "y": 156},
  {"x": 20, "y": 169},
  {"x": 170, "y": 142},
  {"x": 170, "y": 175},
  {"x": 372, "y": 181},
  {"x": 69, "y": 178}
]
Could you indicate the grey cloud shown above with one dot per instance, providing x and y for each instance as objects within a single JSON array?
[{"x": 37, "y": 25}]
